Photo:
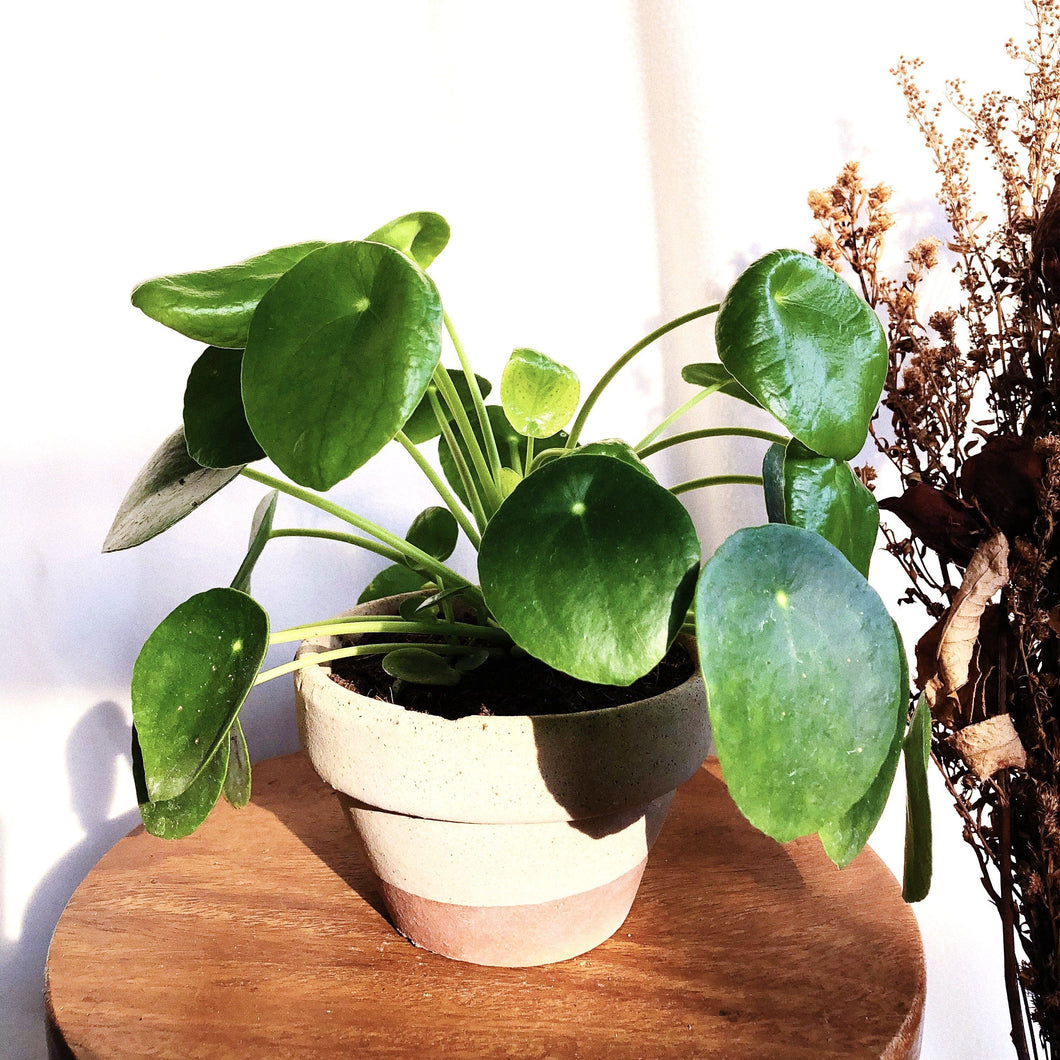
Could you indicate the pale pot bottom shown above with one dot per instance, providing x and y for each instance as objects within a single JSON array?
[{"x": 514, "y": 936}]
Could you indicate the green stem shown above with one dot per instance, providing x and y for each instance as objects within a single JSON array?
[
  {"x": 355, "y": 650},
  {"x": 388, "y": 625},
  {"x": 476, "y": 397},
  {"x": 674, "y": 416},
  {"x": 628, "y": 356},
  {"x": 463, "y": 471},
  {"x": 337, "y": 535},
  {"x": 710, "y": 432},
  {"x": 717, "y": 480},
  {"x": 446, "y": 388},
  {"x": 440, "y": 572},
  {"x": 440, "y": 487},
  {"x": 529, "y": 455}
]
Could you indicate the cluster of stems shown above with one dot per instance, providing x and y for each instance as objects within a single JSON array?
[{"x": 479, "y": 466}]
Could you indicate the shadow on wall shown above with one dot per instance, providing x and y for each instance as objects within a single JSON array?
[{"x": 96, "y": 746}]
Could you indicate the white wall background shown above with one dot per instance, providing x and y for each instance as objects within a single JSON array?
[{"x": 605, "y": 165}]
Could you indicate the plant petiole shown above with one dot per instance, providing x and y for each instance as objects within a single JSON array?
[
  {"x": 462, "y": 470},
  {"x": 440, "y": 487},
  {"x": 476, "y": 396},
  {"x": 362, "y": 649},
  {"x": 590, "y": 401},
  {"x": 438, "y": 570},
  {"x": 644, "y": 451},
  {"x": 375, "y": 624},
  {"x": 717, "y": 480},
  {"x": 491, "y": 494},
  {"x": 337, "y": 535}
]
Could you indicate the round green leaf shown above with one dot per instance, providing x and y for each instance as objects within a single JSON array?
[
  {"x": 189, "y": 681},
  {"x": 802, "y": 670},
  {"x": 420, "y": 667},
  {"x": 178, "y": 817},
  {"x": 539, "y": 395},
  {"x": 843, "y": 839},
  {"x": 392, "y": 581},
  {"x": 215, "y": 426},
  {"x": 589, "y": 565},
  {"x": 716, "y": 375},
  {"x": 807, "y": 348},
  {"x": 341, "y": 351},
  {"x": 511, "y": 446},
  {"x": 420, "y": 236},
  {"x": 168, "y": 487},
  {"x": 215, "y": 306},
  {"x": 423, "y": 425},
  {"x": 823, "y": 494},
  {"x": 434, "y": 531}
]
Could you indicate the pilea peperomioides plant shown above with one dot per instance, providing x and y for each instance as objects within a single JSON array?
[{"x": 320, "y": 354}]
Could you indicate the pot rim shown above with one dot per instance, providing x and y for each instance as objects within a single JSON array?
[{"x": 322, "y": 671}]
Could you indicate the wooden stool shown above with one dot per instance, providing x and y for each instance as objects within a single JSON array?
[{"x": 260, "y": 936}]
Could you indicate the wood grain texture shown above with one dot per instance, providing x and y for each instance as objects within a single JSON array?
[{"x": 260, "y": 935}]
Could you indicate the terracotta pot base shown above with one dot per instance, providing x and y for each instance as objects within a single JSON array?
[{"x": 514, "y": 936}]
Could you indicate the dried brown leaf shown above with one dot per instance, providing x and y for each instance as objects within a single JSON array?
[
  {"x": 990, "y": 746},
  {"x": 986, "y": 574}
]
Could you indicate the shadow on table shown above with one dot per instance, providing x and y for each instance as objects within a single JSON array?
[
  {"x": 98, "y": 742},
  {"x": 310, "y": 810}
]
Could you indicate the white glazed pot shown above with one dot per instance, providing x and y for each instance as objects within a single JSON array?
[{"x": 508, "y": 841}]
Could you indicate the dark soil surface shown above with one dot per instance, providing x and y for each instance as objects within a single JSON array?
[{"x": 510, "y": 686}]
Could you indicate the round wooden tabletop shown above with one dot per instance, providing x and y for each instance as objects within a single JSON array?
[{"x": 261, "y": 935}]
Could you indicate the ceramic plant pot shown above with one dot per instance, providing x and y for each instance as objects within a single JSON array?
[{"x": 508, "y": 841}]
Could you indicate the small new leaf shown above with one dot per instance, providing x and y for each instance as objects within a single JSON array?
[
  {"x": 539, "y": 395},
  {"x": 419, "y": 666}
]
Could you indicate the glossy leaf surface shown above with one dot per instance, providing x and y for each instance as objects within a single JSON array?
[
  {"x": 802, "y": 672},
  {"x": 215, "y": 306},
  {"x": 168, "y": 487},
  {"x": 420, "y": 236},
  {"x": 434, "y": 531},
  {"x": 709, "y": 374},
  {"x": 916, "y": 879},
  {"x": 589, "y": 565},
  {"x": 340, "y": 352},
  {"x": 807, "y": 348},
  {"x": 420, "y": 666},
  {"x": 843, "y": 839},
  {"x": 823, "y": 494},
  {"x": 178, "y": 817},
  {"x": 215, "y": 426},
  {"x": 189, "y": 681},
  {"x": 260, "y": 528},
  {"x": 422, "y": 425},
  {"x": 539, "y": 395},
  {"x": 237, "y": 778}
]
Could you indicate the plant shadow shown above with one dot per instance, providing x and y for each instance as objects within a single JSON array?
[
  {"x": 96, "y": 747},
  {"x": 313, "y": 812}
]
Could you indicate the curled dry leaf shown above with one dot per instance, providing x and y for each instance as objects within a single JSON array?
[
  {"x": 990, "y": 746},
  {"x": 986, "y": 574},
  {"x": 952, "y": 709},
  {"x": 946, "y": 653}
]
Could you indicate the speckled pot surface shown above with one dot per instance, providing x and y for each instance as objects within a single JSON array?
[{"x": 506, "y": 841}]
